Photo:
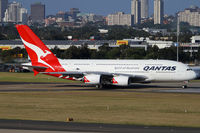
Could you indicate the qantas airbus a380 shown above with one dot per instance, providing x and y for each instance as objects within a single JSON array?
[{"x": 101, "y": 72}]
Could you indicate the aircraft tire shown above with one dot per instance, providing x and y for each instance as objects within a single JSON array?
[{"x": 184, "y": 86}]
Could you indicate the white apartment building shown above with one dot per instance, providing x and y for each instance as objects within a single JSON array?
[
  {"x": 191, "y": 16},
  {"x": 120, "y": 19}
]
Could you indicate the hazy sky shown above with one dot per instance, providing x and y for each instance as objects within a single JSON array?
[{"x": 104, "y": 7}]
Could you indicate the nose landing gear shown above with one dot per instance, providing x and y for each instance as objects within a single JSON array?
[{"x": 185, "y": 84}]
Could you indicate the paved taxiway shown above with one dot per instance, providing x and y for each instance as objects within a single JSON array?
[
  {"x": 33, "y": 131},
  {"x": 59, "y": 127},
  {"x": 170, "y": 87}
]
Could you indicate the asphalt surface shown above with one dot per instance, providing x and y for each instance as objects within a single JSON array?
[
  {"x": 33, "y": 131},
  {"x": 34, "y": 126}
]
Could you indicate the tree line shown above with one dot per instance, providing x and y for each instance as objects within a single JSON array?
[
  {"x": 9, "y": 32},
  {"x": 106, "y": 52},
  {"x": 125, "y": 52}
]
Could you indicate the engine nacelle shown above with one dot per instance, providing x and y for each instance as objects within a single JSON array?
[
  {"x": 92, "y": 79},
  {"x": 121, "y": 80}
]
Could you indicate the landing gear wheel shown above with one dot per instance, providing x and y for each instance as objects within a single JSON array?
[
  {"x": 184, "y": 86},
  {"x": 99, "y": 86}
]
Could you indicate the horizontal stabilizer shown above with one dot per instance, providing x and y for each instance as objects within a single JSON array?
[{"x": 36, "y": 69}]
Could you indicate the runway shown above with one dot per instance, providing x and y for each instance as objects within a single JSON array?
[
  {"x": 22, "y": 126},
  {"x": 33, "y": 131}
]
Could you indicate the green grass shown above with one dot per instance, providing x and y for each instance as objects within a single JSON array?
[
  {"x": 195, "y": 81},
  {"x": 29, "y": 77},
  {"x": 180, "y": 110}
]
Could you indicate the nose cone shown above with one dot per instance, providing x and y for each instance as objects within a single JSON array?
[
  {"x": 197, "y": 75},
  {"x": 194, "y": 75},
  {"x": 191, "y": 75}
]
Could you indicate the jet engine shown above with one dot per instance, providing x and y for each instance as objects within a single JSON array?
[
  {"x": 121, "y": 80},
  {"x": 92, "y": 79}
]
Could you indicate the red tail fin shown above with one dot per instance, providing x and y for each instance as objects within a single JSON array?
[{"x": 38, "y": 52}]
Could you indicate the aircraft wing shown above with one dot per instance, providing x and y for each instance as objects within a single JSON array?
[{"x": 79, "y": 74}]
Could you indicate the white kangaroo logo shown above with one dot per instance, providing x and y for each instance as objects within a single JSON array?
[
  {"x": 45, "y": 54},
  {"x": 40, "y": 53}
]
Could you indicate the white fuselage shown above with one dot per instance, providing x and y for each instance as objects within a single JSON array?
[{"x": 154, "y": 70}]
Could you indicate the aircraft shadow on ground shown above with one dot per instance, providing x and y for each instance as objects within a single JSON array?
[{"x": 133, "y": 87}]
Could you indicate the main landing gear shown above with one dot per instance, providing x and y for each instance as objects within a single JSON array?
[
  {"x": 103, "y": 86},
  {"x": 100, "y": 86}
]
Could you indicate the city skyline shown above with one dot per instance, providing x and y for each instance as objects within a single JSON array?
[{"x": 91, "y": 6}]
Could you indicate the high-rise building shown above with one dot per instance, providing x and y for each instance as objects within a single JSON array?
[
  {"x": 23, "y": 15},
  {"x": 37, "y": 13},
  {"x": 136, "y": 10},
  {"x": 120, "y": 19},
  {"x": 3, "y": 7},
  {"x": 73, "y": 12},
  {"x": 16, "y": 14},
  {"x": 62, "y": 15},
  {"x": 158, "y": 11},
  {"x": 191, "y": 16},
  {"x": 144, "y": 9}
]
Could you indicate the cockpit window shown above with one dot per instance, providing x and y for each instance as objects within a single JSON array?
[{"x": 189, "y": 69}]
